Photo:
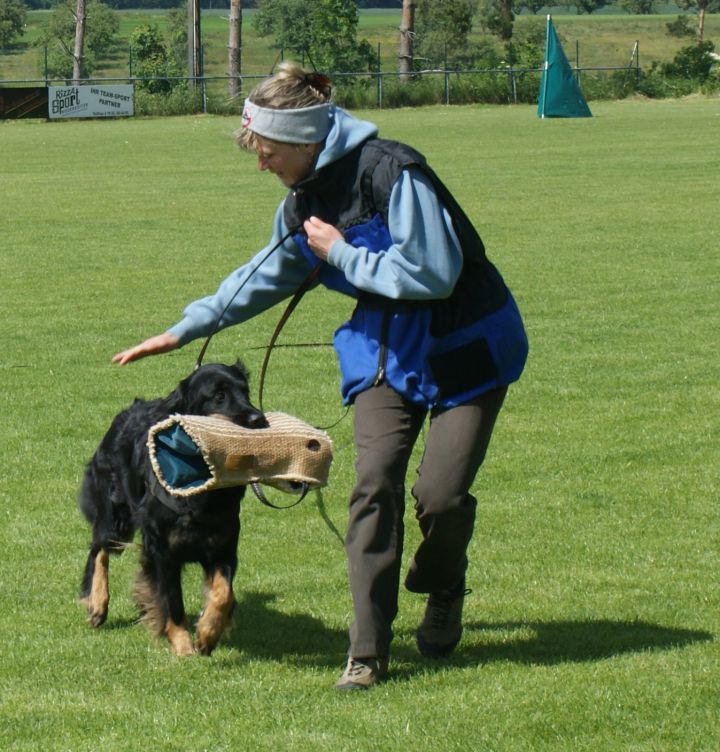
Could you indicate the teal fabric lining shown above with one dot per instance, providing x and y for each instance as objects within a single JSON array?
[{"x": 180, "y": 459}]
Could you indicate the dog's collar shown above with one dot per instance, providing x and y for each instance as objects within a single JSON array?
[{"x": 175, "y": 503}]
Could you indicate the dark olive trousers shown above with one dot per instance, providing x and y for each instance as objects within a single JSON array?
[{"x": 386, "y": 427}]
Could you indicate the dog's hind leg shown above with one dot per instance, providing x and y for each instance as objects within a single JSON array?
[
  {"x": 112, "y": 529},
  {"x": 176, "y": 623},
  {"x": 158, "y": 590},
  {"x": 219, "y": 606},
  {"x": 95, "y": 593}
]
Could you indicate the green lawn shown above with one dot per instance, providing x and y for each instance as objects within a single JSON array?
[{"x": 594, "y": 617}]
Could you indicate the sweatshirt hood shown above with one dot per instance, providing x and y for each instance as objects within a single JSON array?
[{"x": 346, "y": 133}]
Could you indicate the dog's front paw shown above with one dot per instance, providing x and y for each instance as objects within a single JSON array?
[
  {"x": 181, "y": 642},
  {"x": 205, "y": 647},
  {"x": 96, "y": 612},
  {"x": 184, "y": 650}
]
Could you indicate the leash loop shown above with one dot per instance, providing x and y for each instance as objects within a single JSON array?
[
  {"x": 258, "y": 491},
  {"x": 302, "y": 289}
]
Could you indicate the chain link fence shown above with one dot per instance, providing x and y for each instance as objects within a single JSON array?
[{"x": 375, "y": 89}]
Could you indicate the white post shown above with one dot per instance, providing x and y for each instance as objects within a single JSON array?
[{"x": 546, "y": 66}]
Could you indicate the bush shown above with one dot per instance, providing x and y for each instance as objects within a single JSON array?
[
  {"x": 180, "y": 101},
  {"x": 153, "y": 60},
  {"x": 617, "y": 85},
  {"x": 694, "y": 62},
  {"x": 680, "y": 27},
  {"x": 489, "y": 88},
  {"x": 690, "y": 72},
  {"x": 429, "y": 88},
  {"x": 657, "y": 85}
]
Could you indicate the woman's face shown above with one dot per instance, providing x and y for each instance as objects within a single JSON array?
[{"x": 289, "y": 162}]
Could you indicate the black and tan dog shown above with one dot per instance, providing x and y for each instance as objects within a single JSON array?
[{"x": 118, "y": 497}]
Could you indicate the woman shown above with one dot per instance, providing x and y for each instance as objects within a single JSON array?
[{"x": 435, "y": 331}]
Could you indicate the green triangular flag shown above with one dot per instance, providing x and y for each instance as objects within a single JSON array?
[{"x": 560, "y": 94}]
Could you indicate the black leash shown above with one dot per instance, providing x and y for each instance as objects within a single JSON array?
[
  {"x": 215, "y": 328},
  {"x": 291, "y": 306},
  {"x": 297, "y": 296},
  {"x": 302, "y": 289}
]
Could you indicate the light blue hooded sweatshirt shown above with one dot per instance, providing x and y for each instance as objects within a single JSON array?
[{"x": 416, "y": 221}]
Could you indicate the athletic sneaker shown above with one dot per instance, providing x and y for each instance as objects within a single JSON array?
[
  {"x": 441, "y": 627},
  {"x": 362, "y": 673}
]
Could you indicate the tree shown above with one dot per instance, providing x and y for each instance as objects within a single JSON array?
[
  {"x": 443, "y": 28},
  {"x": 534, "y": 6},
  {"x": 590, "y": 6},
  {"x": 101, "y": 27},
  {"x": 638, "y": 7},
  {"x": 12, "y": 21},
  {"x": 288, "y": 21},
  {"x": 527, "y": 47},
  {"x": 177, "y": 29},
  {"x": 77, "y": 56},
  {"x": 234, "y": 37},
  {"x": 153, "y": 61},
  {"x": 194, "y": 45},
  {"x": 407, "y": 33},
  {"x": 335, "y": 46},
  {"x": 324, "y": 31},
  {"x": 497, "y": 17},
  {"x": 703, "y": 7}
]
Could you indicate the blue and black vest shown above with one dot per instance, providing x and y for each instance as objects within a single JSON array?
[{"x": 435, "y": 353}]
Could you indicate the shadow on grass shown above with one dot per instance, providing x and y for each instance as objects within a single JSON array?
[
  {"x": 556, "y": 642},
  {"x": 261, "y": 631}
]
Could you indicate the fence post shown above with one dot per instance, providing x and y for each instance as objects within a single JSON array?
[
  {"x": 379, "y": 80},
  {"x": 203, "y": 81},
  {"x": 447, "y": 79},
  {"x": 577, "y": 60}
]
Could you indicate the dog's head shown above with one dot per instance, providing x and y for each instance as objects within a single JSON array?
[{"x": 218, "y": 390}]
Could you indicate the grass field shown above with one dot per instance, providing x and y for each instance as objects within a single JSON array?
[
  {"x": 594, "y": 617},
  {"x": 604, "y": 39}
]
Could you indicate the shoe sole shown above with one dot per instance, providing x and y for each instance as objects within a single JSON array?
[
  {"x": 433, "y": 650},
  {"x": 352, "y": 687}
]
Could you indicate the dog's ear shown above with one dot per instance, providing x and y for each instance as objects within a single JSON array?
[
  {"x": 242, "y": 368},
  {"x": 177, "y": 399}
]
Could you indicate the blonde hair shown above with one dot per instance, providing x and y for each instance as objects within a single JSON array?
[{"x": 291, "y": 88}]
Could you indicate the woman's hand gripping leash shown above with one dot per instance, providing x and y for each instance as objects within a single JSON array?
[{"x": 321, "y": 236}]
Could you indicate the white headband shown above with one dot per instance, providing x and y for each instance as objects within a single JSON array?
[{"x": 306, "y": 125}]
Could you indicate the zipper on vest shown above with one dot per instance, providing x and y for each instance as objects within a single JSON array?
[{"x": 382, "y": 353}]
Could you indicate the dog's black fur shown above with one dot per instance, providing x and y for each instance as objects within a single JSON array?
[{"x": 117, "y": 498}]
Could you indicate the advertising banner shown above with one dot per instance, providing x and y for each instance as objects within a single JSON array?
[{"x": 92, "y": 101}]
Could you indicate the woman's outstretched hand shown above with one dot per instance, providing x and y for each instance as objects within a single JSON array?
[{"x": 154, "y": 346}]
